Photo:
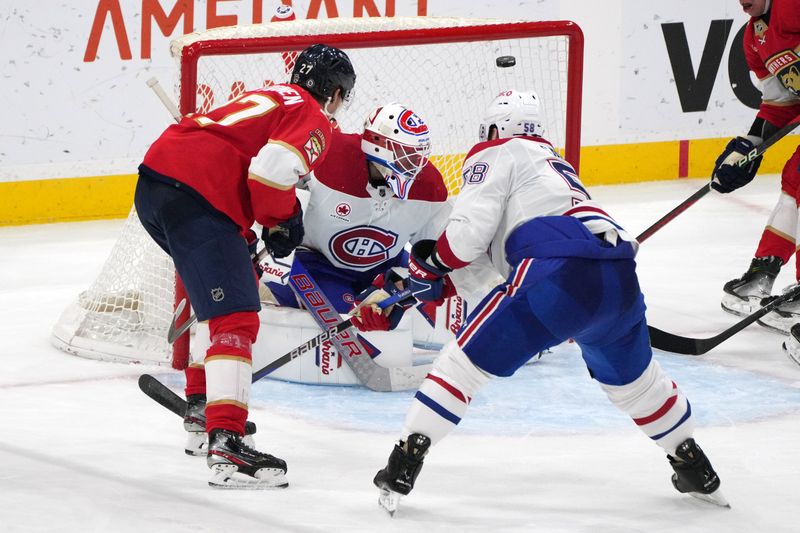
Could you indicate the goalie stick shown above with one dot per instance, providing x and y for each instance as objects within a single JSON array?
[
  {"x": 688, "y": 346},
  {"x": 347, "y": 341},
  {"x": 689, "y": 202}
]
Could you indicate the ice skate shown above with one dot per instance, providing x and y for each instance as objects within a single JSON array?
[
  {"x": 398, "y": 477},
  {"x": 194, "y": 422},
  {"x": 694, "y": 474},
  {"x": 235, "y": 465},
  {"x": 742, "y": 296},
  {"x": 781, "y": 319},
  {"x": 792, "y": 345}
]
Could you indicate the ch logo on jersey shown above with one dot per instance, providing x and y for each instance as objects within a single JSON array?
[
  {"x": 314, "y": 145},
  {"x": 409, "y": 122},
  {"x": 362, "y": 246}
]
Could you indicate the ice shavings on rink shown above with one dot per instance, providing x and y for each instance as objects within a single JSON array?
[{"x": 553, "y": 394}]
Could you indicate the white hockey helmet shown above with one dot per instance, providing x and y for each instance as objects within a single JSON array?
[
  {"x": 513, "y": 113},
  {"x": 398, "y": 141}
]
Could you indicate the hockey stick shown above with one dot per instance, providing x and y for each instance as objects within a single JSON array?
[
  {"x": 686, "y": 204},
  {"x": 164, "y": 396},
  {"x": 347, "y": 342},
  {"x": 168, "y": 103},
  {"x": 689, "y": 346},
  {"x": 176, "y": 331}
]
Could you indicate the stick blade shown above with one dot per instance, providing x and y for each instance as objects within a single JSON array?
[{"x": 661, "y": 340}]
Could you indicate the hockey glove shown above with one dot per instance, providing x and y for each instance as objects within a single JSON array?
[
  {"x": 286, "y": 236},
  {"x": 369, "y": 317},
  {"x": 427, "y": 275},
  {"x": 728, "y": 175}
]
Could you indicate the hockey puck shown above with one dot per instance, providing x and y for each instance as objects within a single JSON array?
[{"x": 505, "y": 61}]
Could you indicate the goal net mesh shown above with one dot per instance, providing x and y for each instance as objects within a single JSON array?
[{"x": 445, "y": 69}]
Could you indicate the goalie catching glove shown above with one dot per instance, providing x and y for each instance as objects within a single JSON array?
[
  {"x": 367, "y": 316},
  {"x": 728, "y": 175},
  {"x": 281, "y": 240},
  {"x": 427, "y": 275}
]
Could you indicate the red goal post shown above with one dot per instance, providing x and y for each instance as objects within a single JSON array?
[{"x": 445, "y": 69}]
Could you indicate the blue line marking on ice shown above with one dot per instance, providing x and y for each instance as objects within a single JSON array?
[{"x": 552, "y": 395}]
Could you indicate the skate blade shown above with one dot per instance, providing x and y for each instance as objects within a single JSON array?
[
  {"x": 715, "y": 498},
  {"x": 739, "y": 307},
  {"x": 776, "y": 325},
  {"x": 389, "y": 500},
  {"x": 228, "y": 477},
  {"x": 196, "y": 444},
  {"x": 789, "y": 354}
]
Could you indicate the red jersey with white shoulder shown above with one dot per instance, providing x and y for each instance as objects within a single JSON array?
[
  {"x": 357, "y": 226},
  {"x": 508, "y": 182},
  {"x": 772, "y": 49},
  {"x": 246, "y": 156}
]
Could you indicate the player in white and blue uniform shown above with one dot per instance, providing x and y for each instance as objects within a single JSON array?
[{"x": 570, "y": 275}]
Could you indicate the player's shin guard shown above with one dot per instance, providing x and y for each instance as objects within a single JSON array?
[
  {"x": 444, "y": 396},
  {"x": 657, "y": 406},
  {"x": 228, "y": 365}
]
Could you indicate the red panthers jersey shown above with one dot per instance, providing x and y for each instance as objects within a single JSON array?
[
  {"x": 772, "y": 45},
  {"x": 246, "y": 156}
]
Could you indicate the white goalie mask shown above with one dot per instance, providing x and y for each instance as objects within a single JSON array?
[
  {"x": 513, "y": 113},
  {"x": 398, "y": 141}
]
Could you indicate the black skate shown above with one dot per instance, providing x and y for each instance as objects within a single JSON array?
[
  {"x": 781, "y": 319},
  {"x": 194, "y": 422},
  {"x": 235, "y": 465},
  {"x": 792, "y": 345},
  {"x": 398, "y": 478},
  {"x": 742, "y": 296},
  {"x": 695, "y": 475}
]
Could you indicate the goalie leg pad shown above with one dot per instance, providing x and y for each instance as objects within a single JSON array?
[
  {"x": 444, "y": 396},
  {"x": 656, "y": 405}
]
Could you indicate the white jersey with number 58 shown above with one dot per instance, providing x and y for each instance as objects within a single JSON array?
[{"x": 506, "y": 183}]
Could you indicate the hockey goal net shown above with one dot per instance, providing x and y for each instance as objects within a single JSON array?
[{"x": 445, "y": 69}]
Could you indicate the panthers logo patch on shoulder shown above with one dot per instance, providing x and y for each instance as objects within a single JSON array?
[{"x": 315, "y": 145}]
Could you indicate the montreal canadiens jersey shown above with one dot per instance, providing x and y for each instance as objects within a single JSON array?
[
  {"x": 508, "y": 182},
  {"x": 357, "y": 226},
  {"x": 772, "y": 49},
  {"x": 246, "y": 156}
]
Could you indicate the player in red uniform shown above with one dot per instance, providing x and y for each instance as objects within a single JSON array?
[
  {"x": 202, "y": 185},
  {"x": 771, "y": 45}
]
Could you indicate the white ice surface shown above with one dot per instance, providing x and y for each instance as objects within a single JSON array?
[{"x": 84, "y": 450}]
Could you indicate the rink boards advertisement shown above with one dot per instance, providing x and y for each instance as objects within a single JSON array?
[{"x": 665, "y": 85}]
